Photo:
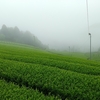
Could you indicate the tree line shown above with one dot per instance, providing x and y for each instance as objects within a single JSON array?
[{"x": 15, "y": 35}]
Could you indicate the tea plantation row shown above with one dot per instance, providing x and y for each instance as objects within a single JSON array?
[
  {"x": 32, "y": 71},
  {"x": 76, "y": 67},
  {"x": 10, "y": 91},
  {"x": 50, "y": 80}
]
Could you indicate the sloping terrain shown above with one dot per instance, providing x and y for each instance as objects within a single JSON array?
[{"x": 46, "y": 76}]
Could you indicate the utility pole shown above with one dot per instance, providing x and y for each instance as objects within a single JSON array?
[
  {"x": 69, "y": 49},
  {"x": 90, "y": 45}
]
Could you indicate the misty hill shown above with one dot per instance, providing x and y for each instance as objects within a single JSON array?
[{"x": 15, "y": 35}]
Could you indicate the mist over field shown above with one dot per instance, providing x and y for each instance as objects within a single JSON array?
[
  {"x": 59, "y": 24},
  {"x": 49, "y": 49}
]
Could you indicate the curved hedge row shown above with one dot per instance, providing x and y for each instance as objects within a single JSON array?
[
  {"x": 33, "y": 52},
  {"x": 50, "y": 80},
  {"x": 80, "y": 68},
  {"x": 10, "y": 91}
]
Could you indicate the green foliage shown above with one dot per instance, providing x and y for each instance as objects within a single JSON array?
[
  {"x": 15, "y": 35},
  {"x": 10, "y": 91},
  {"x": 51, "y": 80},
  {"x": 65, "y": 77},
  {"x": 66, "y": 63}
]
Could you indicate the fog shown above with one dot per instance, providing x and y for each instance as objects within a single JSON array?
[{"x": 60, "y": 24}]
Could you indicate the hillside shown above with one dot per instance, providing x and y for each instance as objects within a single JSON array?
[
  {"x": 15, "y": 35},
  {"x": 28, "y": 73}
]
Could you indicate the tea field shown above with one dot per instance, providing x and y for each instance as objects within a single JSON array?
[{"x": 28, "y": 73}]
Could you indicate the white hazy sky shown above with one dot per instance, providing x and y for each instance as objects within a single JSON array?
[{"x": 57, "y": 23}]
